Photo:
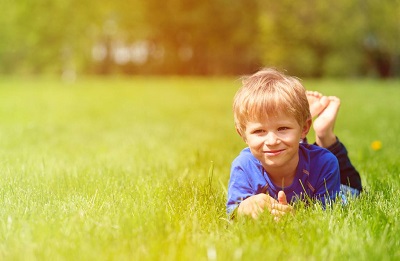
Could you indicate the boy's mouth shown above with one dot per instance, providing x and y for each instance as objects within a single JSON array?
[{"x": 273, "y": 152}]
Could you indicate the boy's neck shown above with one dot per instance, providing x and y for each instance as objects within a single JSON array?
[
  {"x": 282, "y": 176},
  {"x": 282, "y": 182}
]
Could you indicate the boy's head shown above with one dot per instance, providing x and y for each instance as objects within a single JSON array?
[{"x": 266, "y": 93}]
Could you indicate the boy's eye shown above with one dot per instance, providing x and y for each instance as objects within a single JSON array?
[
  {"x": 258, "y": 131},
  {"x": 283, "y": 128}
]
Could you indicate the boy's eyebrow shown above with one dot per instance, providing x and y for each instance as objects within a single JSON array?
[
  {"x": 285, "y": 122},
  {"x": 254, "y": 125}
]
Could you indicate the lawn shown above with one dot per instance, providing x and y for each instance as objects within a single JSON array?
[{"x": 137, "y": 169}]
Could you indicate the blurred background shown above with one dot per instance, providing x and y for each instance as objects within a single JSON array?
[{"x": 313, "y": 38}]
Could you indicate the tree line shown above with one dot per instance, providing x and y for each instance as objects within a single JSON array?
[{"x": 307, "y": 38}]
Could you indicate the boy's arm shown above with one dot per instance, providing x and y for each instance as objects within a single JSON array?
[{"x": 239, "y": 189}]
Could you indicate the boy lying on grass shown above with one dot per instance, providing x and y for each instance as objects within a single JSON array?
[{"x": 273, "y": 114}]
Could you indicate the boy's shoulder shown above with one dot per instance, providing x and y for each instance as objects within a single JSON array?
[
  {"x": 245, "y": 157},
  {"x": 314, "y": 152},
  {"x": 245, "y": 153}
]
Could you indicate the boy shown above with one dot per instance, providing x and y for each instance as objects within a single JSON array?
[{"x": 272, "y": 115}]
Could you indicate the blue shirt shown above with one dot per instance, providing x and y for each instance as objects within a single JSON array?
[{"x": 317, "y": 177}]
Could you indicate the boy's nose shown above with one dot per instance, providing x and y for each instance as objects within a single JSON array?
[{"x": 271, "y": 139}]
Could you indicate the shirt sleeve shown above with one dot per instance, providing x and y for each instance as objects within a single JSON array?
[{"x": 239, "y": 188}]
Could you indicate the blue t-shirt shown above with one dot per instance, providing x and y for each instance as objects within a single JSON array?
[{"x": 317, "y": 177}]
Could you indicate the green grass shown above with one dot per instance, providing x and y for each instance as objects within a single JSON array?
[{"x": 137, "y": 168}]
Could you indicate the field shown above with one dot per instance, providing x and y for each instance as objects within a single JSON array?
[{"x": 137, "y": 169}]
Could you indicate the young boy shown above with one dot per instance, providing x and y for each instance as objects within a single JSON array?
[{"x": 272, "y": 115}]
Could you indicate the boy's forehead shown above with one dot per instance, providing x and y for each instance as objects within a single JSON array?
[{"x": 278, "y": 116}]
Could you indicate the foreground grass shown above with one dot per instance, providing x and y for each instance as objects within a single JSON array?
[{"x": 136, "y": 169}]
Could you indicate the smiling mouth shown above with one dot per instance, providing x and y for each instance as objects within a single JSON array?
[{"x": 273, "y": 152}]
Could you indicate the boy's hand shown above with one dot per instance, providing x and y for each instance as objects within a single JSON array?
[
  {"x": 253, "y": 206},
  {"x": 281, "y": 207}
]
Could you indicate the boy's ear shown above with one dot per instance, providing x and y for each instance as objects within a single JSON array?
[
  {"x": 240, "y": 134},
  {"x": 306, "y": 128}
]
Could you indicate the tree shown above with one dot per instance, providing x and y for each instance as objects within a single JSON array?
[
  {"x": 204, "y": 37},
  {"x": 320, "y": 38},
  {"x": 381, "y": 32},
  {"x": 211, "y": 37}
]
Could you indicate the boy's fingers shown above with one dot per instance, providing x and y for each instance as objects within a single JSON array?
[
  {"x": 282, "y": 208},
  {"x": 276, "y": 213},
  {"x": 282, "y": 198}
]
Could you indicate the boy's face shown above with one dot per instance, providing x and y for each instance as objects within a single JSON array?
[{"x": 274, "y": 141}]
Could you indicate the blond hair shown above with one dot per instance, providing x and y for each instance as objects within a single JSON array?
[{"x": 266, "y": 93}]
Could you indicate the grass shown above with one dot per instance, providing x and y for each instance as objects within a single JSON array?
[{"x": 137, "y": 168}]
